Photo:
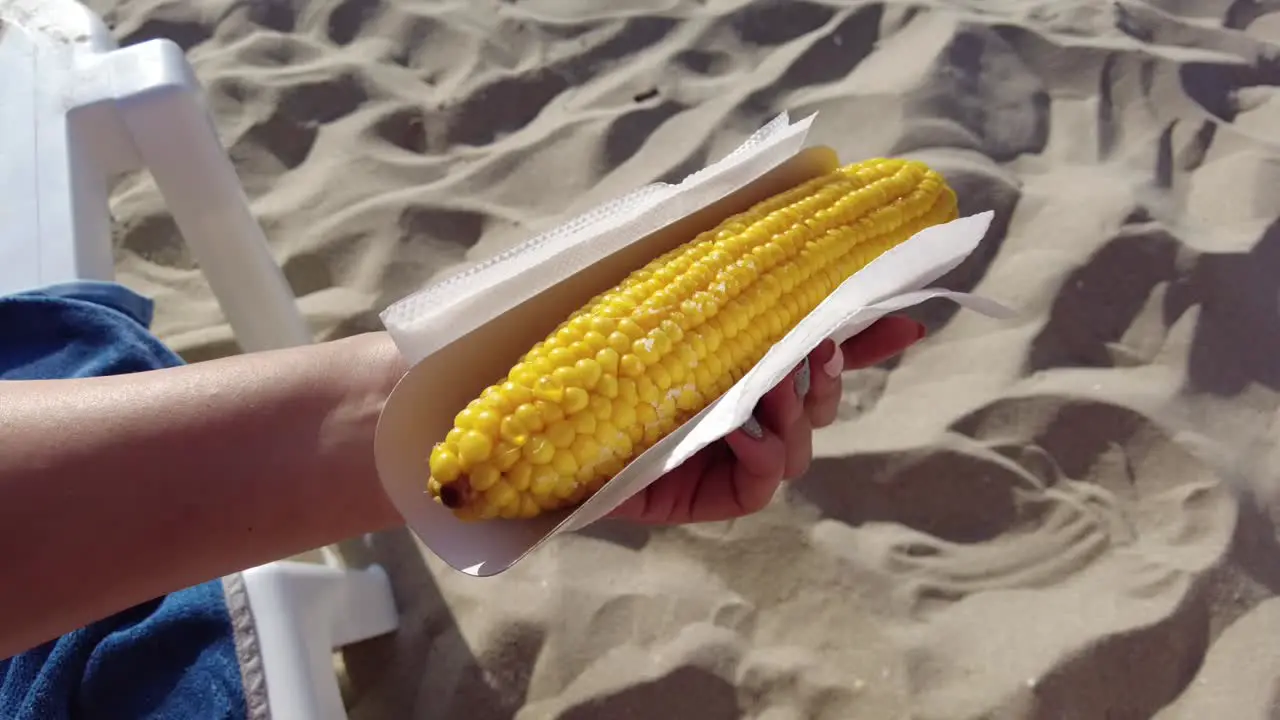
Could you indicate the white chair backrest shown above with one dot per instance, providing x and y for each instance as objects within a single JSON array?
[{"x": 75, "y": 111}]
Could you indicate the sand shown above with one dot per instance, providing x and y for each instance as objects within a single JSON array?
[{"x": 1069, "y": 516}]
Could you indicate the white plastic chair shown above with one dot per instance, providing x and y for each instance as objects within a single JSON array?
[{"x": 75, "y": 112}]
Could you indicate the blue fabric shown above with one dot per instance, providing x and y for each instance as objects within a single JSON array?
[
  {"x": 83, "y": 329},
  {"x": 172, "y": 657}
]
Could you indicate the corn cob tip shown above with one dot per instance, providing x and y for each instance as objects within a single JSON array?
[
  {"x": 455, "y": 494},
  {"x": 640, "y": 359}
]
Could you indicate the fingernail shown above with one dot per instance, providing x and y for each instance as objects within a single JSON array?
[
  {"x": 752, "y": 428},
  {"x": 802, "y": 379},
  {"x": 835, "y": 365}
]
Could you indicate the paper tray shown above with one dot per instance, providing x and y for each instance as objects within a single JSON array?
[{"x": 503, "y": 308}]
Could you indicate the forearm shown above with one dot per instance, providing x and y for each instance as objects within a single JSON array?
[{"x": 115, "y": 490}]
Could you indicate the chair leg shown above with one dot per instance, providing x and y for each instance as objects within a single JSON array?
[
  {"x": 162, "y": 106},
  {"x": 302, "y": 613},
  {"x": 54, "y": 213}
]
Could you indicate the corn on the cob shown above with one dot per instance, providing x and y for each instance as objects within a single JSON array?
[{"x": 640, "y": 359}]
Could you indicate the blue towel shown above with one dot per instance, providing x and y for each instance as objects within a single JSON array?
[{"x": 176, "y": 656}]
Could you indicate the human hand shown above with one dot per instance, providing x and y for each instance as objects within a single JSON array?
[{"x": 740, "y": 474}]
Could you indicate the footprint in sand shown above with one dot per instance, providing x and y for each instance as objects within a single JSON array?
[{"x": 1057, "y": 543}]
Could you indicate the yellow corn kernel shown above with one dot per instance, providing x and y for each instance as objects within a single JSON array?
[
  {"x": 544, "y": 481},
  {"x": 584, "y": 423},
  {"x": 519, "y": 475},
  {"x": 539, "y": 450},
  {"x": 474, "y": 447},
  {"x": 561, "y": 434},
  {"x": 576, "y": 398},
  {"x": 529, "y": 509},
  {"x": 643, "y": 357},
  {"x": 483, "y": 477},
  {"x": 608, "y": 387},
  {"x": 445, "y": 466},
  {"x": 528, "y": 416}
]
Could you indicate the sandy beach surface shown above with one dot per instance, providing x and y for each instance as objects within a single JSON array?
[{"x": 1072, "y": 516}]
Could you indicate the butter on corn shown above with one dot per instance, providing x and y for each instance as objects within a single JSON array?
[{"x": 644, "y": 357}]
